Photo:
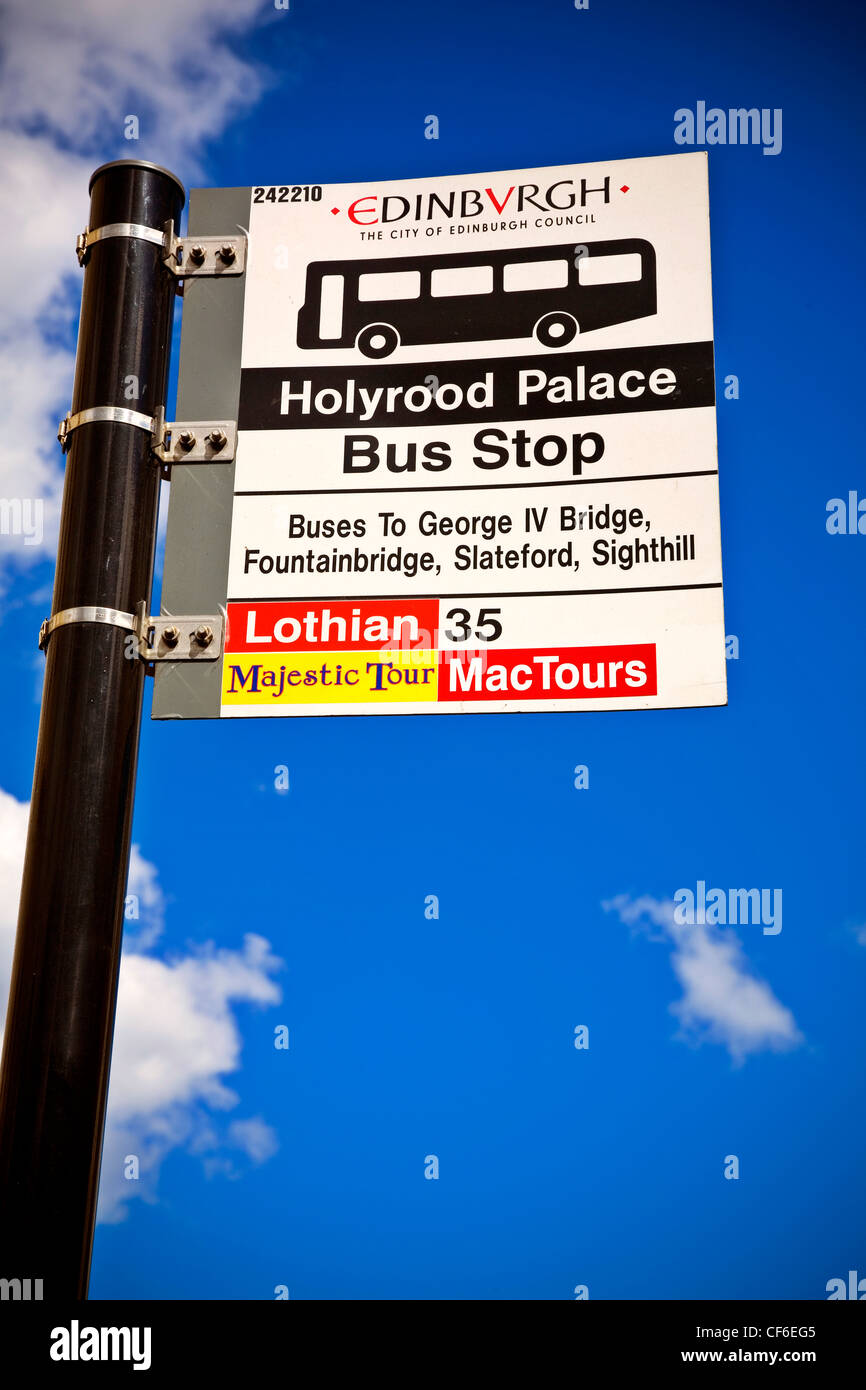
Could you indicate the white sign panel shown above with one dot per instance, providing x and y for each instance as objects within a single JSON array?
[{"x": 476, "y": 465}]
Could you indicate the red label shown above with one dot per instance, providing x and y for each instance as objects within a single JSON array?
[
  {"x": 557, "y": 673},
  {"x": 332, "y": 627}
]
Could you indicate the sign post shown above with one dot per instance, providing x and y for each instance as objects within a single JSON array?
[{"x": 64, "y": 981}]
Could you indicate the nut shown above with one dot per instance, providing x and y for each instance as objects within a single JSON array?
[
  {"x": 217, "y": 438},
  {"x": 203, "y": 635},
  {"x": 197, "y": 253},
  {"x": 171, "y": 636},
  {"x": 186, "y": 439},
  {"x": 227, "y": 252}
]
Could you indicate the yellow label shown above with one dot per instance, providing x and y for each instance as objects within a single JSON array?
[{"x": 306, "y": 678}]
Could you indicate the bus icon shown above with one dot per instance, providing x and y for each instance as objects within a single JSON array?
[{"x": 551, "y": 293}]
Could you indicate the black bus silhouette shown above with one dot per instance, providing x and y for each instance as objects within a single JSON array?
[{"x": 551, "y": 292}]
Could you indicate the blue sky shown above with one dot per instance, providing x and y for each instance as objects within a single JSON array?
[{"x": 409, "y": 1037}]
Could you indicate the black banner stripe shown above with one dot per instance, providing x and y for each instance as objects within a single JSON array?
[{"x": 262, "y": 388}]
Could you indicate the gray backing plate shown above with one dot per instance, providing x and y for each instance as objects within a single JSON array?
[{"x": 195, "y": 576}]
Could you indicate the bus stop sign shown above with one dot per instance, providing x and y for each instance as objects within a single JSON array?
[{"x": 476, "y": 454}]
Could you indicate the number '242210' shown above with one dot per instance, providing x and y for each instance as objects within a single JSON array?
[{"x": 298, "y": 193}]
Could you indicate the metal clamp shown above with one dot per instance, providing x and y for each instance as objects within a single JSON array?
[
  {"x": 171, "y": 441},
  {"x": 204, "y": 255},
  {"x": 183, "y": 256},
  {"x": 112, "y": 414},
  {"x": 167, "y": 638},
  {"x": 84, "y": 242},
  {"x": 113, "y": 616}
]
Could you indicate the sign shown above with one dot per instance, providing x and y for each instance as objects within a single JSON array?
[{"x": 476, "y": 465}]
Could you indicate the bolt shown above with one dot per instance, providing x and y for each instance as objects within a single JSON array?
[
  {"x": 197, "y": 253},
  {"x": 227, "y": 252},
  {"x": 171, "y": 636},
  {"x": 217, "y": 438},
  {"x": 186, "y": 439},
  {"x": 203, "y": 635}
]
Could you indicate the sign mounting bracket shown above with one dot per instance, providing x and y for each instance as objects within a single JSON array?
[{"x": 192, "y": 257}]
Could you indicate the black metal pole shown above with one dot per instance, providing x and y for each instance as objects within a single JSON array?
[{"x": 57, "y": 1048}]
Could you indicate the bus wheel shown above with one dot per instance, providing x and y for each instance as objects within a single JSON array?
[
  {"x": 556, "y": 330},
  {"x": 377, "y": 340}
]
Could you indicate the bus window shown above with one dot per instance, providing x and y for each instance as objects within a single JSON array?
[
  {"x": 390, "y": 284},
  {"x": 535, "y": 275},
  {"x": 609, "y": 270},
  {"x": 331, "y": 307},
  {"x": 469, "y": 279}
]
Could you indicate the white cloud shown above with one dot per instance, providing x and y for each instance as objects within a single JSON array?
[
  {"x": 145, "y": 904},
  {"x": 723, "y": 1001},
  {"x": 254, "y": 1137},
  {"x": 80, "y": 70},
  {"x": 69, "y": 75},
  {"x": 176, "y": 1037}
]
